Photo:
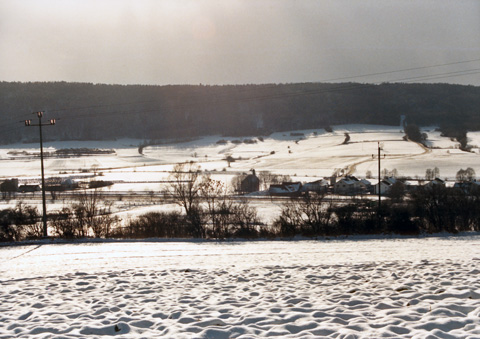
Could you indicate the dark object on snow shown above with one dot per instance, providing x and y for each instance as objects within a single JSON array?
[{"x": 251, "y": 183}]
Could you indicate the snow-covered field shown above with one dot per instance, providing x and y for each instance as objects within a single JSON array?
[
  {"x": 304, "y": 155},
  {"x": 350, "y": 288},
  {"x": 309, "y": 153}
]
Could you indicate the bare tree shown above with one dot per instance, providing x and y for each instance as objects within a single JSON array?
[
  {"x": 93, "y": 213},
  {"x": 466, "y": 175},
  {"x": 213, "y": 193},
  {"x": 185, "y": 187},
  {"x": 470, "y": 173},
  {"x": 229, "y": 159},
  {"x": 429, "y": 174}
]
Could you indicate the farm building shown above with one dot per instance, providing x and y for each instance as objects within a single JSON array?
[
  {"x": 318, "y": 186},
  {"x": 350, "y": 185},
  {"x": 286, "y": 189},
  {"x": 251, "y": 183}
]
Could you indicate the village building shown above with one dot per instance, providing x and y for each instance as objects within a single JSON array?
[
  {"x": 60, "y": 184},
  {"x": 318, "y": 186},
  {"x": 385, "y": 185},
  {"x": 286, "y": 189},
  {"x": 350, "y": 185},
  {"x": 9, "y": 185},
  {"x": 29, "y": 188},
  {"x": 467, "y": 186},
  {"x": 436, "y": 182},
  {"x": 251, "y": 183}
]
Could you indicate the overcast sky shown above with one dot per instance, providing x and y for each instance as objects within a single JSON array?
[{"x": 238, "y": 41}]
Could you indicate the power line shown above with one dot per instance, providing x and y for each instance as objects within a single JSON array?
[
  {"x": 444, "y": 75},
  {"x": 257, "y": 97},
  {"x": 400, "y": 70},
  {"x": 243, "y": 96},
  {"x": 411, "y": 79}
]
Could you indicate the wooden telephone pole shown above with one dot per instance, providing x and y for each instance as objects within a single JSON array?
[{"x": 44, "y": 202}]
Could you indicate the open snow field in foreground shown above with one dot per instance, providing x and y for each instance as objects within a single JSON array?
[{"x": 359, "y": 288}]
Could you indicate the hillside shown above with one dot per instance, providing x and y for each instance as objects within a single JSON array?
[{"x": 103, "y": 112}]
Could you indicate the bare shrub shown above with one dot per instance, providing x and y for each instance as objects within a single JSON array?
[
  {"x": 155, "y": 225},
  {"x": 245, "y": 220},
  {"x": 89, "y": 215},
  {"x": 65, "y": 225},
  {"x": 309, "y": 215}
]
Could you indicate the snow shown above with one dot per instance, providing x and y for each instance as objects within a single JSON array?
[
  {"x": 314, "y": 154},
  {"x": 334, "y": 288},
  {"x": 306, "y": 156},
  {"x": 348, "y": 288}
]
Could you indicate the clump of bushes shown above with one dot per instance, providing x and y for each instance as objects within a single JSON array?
[
  {"x": 207, "y": 212},
  {"x": 428, "y": 210},
  {"x": 89, "y": 215},
  {"x": 21, "y": 222},
  {"x": 154, "y": 225}
]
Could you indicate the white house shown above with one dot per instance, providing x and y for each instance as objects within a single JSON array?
[
  {"x": 385, "y": 185},
  {"x": 318, "y": 186},
  {"x": 350, "y": 185}
]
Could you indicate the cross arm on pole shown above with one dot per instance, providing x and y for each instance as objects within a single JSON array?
[{"x": 40, "y": 124}]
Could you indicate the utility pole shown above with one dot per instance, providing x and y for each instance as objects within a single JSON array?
[
  {"x": 44, "y": 202},
  {"x": 379, "y": 180}
]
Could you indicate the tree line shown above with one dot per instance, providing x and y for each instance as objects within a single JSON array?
[
  {"x": 209, "y": 212},
  {"x": 94, "y": 111}
]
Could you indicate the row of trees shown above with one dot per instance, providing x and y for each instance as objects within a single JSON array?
[
  {"x": 205, "y": 202},
  {"x": 92, "y": 111},
  {"x": 88, "y": 215},
  {"x": 427, "y": 210},
  {"x": 209, "y": 212}
]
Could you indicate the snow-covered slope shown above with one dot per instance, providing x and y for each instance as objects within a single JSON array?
[
  {"x": 313, "y": 153},
  {"x": 360, "y": 288}
]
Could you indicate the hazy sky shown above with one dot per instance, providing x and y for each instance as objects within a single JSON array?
[{"x": 238, "y": 41}]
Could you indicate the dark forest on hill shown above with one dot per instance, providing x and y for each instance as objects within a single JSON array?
[{"x": 86, "y": 111}]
